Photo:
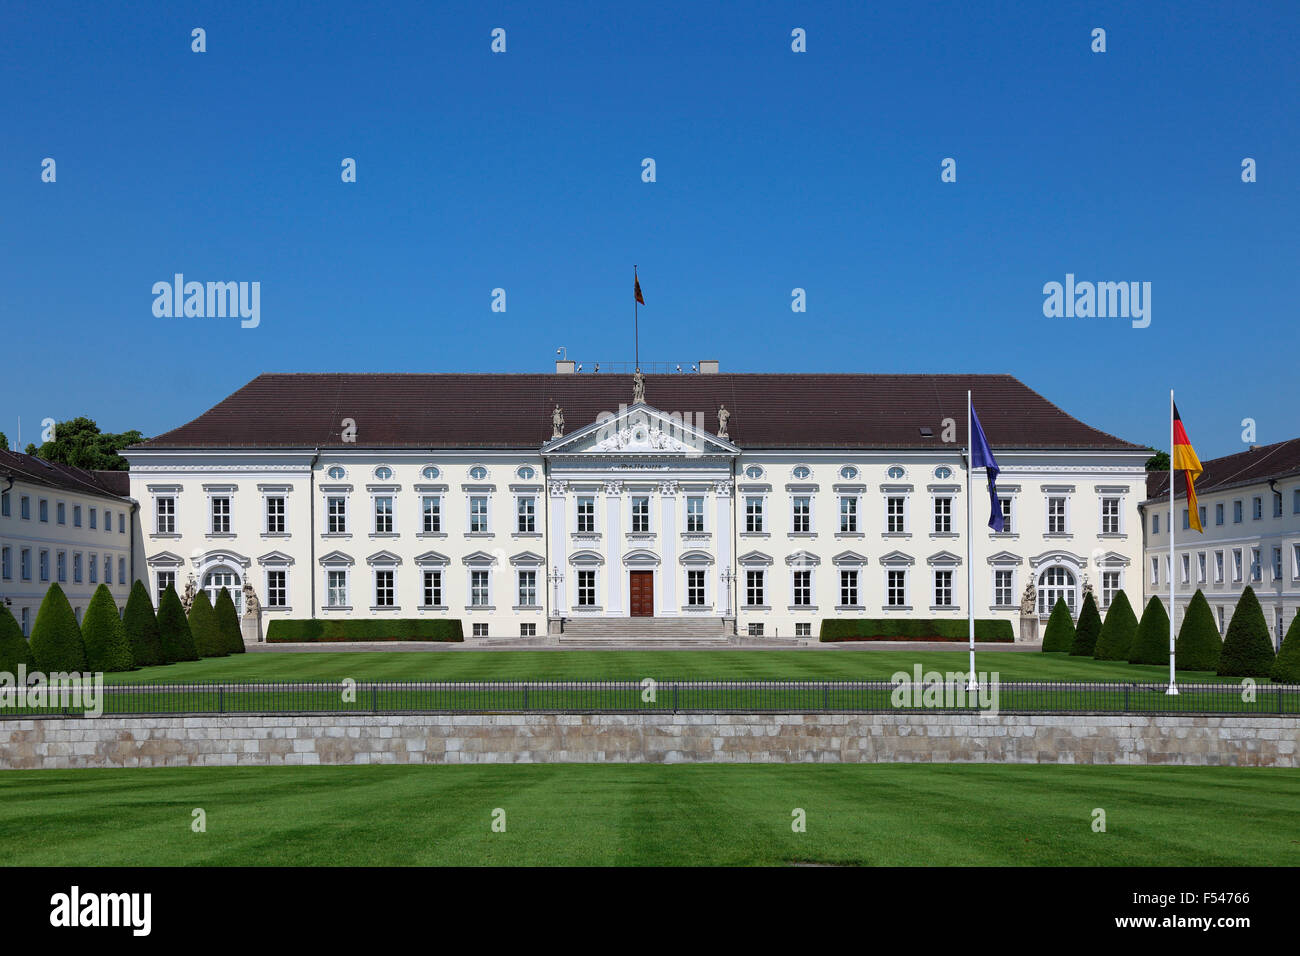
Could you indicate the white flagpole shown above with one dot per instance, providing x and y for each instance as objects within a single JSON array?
[
  {"x": 1173, "y": 688},
  {"x": 970, "y": 546}
]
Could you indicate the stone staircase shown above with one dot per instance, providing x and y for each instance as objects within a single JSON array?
[{"x": 644, "y": 630}]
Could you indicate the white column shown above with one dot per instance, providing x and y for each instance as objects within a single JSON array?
[
  {"x": 722, "y": 491},
  {"x": 614, "y": 571},
  {"x": 559, "y": 547},
  {"x": 667, "y": 600}
]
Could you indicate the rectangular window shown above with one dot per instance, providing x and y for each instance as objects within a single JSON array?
[
  {"x": 587, "y": 514},
  {"x": 25, "y": 509},
  {"x": 1218, "y": 513},
  {"x": 754, "y": 588},
  {"x": 336, "y": 590},
  {"x": 586, "y": 589},
  {"x": 1218, "y": 567},
  {"x": 695, "y": 588},
  {"x": 1221, "y": 619},
  {"x": 383, "y": 588},
  {"x": 480, "y": 630},
  {"x": 121, "y": 570},
  {"x": 76, "y": 516},
  {"x": 76, "y": 567},
  {"x": 1056, "y": 516},
  {"x": 275, "y": 515},
  {"x": 1200, "y": 513},
  {"x": 1187, "y": 521},
  {"x": 4, "y": 504},
  {"x": 164, "y": 516},
  {"x": 894, "y": 515},
  {"x": 1155, "y": 523},
  {"x": 801, "y": 514},
  {"x": 1186, "y": 564},
  {"x": 802, "y": 629},
  {"x": 1277, "y": 564},
  {"x": 1295, "y": 561},
  {"x": 695, "y": 514},
  {"x": 433, "y": 589},
  {"x": 384, "y": 515},
  {"x": 1006, "y": 515},
  {"x": 1155, "y": 571},
  {"x": 527, "y": 514},
  {"x": 1257, "y": 508},
  {"x": 61, "y": 513},
  {"x": 1256, "y": 569},
  {"x": 431, "y": 514},
  {"x": 478, "y": 588},
  {"x": 220, "y": 516},
  {"x": 1277, "y": 504},
  {"x": 94, "y": 518},
  {"x": 943, "y": 589},
  {"x": 121, "y": 522},
  {"x": 27, "y": 622},
  {"x": 1002, "y": 593},
  {"x": 1295, "y": 502},
  {"x": 848, "y": 588},
  {"x": 1110, "y": 516},
  {"x": 848, "y": 514},
  {"x": 43, "y": 510},
  {"x": 528, "y": 588},
  {"x": 166, "y": 579},
  {"x": 1109, "y": 587},
  {"x": 1236, "y": 512},
  {"x": 44, "y": 565},
  {"x": 336, "y": 511},
  {"x": 803, "y": 588},
  {"x": 640, "y": 514},
  {"x": 942, "y": 515},
  {"x": 896, "y": 588},
  {"x": 277, "y": 591},
  {"x": 478, "y": 514},
  {"x": 92, "y": 565},
  {"x": 527, "y": 630},
  {"x": 1236, "y": 565},
  {"x": 755, "y": 630},
  {"x": 6, "y": 563},
  {"x": 1200, "y": 567},
  {"x": 754, "y": 514}
]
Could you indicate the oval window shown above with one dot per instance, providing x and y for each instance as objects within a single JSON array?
[
  {"x": 943, "y": 472},
  {"x": 896, "y": 472},
  {"x": 478, "y": 472},
  {"x": 431, "y": 472},
  {"x": 525, "y": 473},
  {"x": 803, "y": 471},
  {"x": 336, "y": 473},
  {"x": 848, "y": 472},
  {"x": 753, "y": 471},
  {"x": 383, "y": 473}
]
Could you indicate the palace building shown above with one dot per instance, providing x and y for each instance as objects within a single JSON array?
[{"x": 702, "y": 503}]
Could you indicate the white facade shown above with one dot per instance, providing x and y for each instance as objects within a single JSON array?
[
  {"x": 1251, "y": 537},
  {"x": 638, "y": 514},
  {"x": 51, "y": 535}
]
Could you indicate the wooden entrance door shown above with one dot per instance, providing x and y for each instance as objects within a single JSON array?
[{"x": 643, "y": 593}]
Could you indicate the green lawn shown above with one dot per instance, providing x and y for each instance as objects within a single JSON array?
[
  {"x": 883, "y": 814},
  {"x": 635, "y": 665}
]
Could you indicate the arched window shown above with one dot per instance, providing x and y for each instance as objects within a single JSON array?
[
  {"x": 220, "y": 578},
  {"x": 1055, "y": 583}
]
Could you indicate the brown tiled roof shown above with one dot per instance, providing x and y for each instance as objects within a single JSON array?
[
  {"x": 514, "y": 411},
  {"x": 111, "y": 484},
  {"x": 1244, "y": 468}
]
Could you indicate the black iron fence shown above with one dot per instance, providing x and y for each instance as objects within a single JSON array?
[{"x": 661, "y": 696}]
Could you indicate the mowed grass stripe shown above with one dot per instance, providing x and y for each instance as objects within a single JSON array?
[{"x": 652, "y": 815}]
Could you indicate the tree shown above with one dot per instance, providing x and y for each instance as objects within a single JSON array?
[
  {"x": 1117, "y": 631},
  {"x": 1286, "y": 669},
  {"x": 4, "y": 442},
  {"x": 56, "y": 637},
  {"x": 204, "y": 627},
  {"x": 142, "y": 627},
  {"x": 1199, "y": 644},
  {"x": 79, "y": 442},
  {"x": 232, "y": 637},
  {"x": 1151, "y": 645},
  {"x": 1247, "y": 651},
  {"x": 174, "y": 630},
  {"x": 1159, "y": 461},
  {"x": 1088, "y": 629},
  {"x": 13, "y": 646},
  {"x": 107, "y": 646},
  {"x": 1059, "y": 634}
]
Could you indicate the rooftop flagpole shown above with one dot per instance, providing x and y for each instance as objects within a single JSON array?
[{"x": 636, "y": 329}]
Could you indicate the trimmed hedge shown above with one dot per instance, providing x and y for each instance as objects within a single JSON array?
[
  {"x": 987, "y": 631},
  {"x": 174, "y": 630},
  {"x": 1117, "y": 632},
  {"x": 299, "y": 630},
  {"x": 13, "y": 646},
  {"x": 1247, "y": 650},
  {"x": 232, "y": 638},
  {"x": 1151, "y": 645},
  {"x": 142, "y": 627},
  {"x": 107, "y": 646},
  {"x": 1058, "y": 636},
  {"x": 204, "y": 627},
  {"x": 1088, "y": 629},
  {"x": 1286, "y": 668},
  {"x": 1199, "y": 644},
  {"x": 56, "y": 636}
]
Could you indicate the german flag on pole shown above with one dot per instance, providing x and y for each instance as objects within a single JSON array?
[
  {"x": 636, "y": 288},
  {"x": 1184, "y": 459}
]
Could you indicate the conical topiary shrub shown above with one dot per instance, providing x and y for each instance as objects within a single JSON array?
[
  {"x": 1117, "y": 631},
  {"x": 1286, "y": 668},
  {"x": 1199, "y": 644},
  {"x": 1059, "y": 634},
  {"x": 232, "y": 638},
  {"x": 142, "y": 627},
  {"x": 56, "y": 637},
  {"x": 174, "y": 630},
  {"x": 203, "y": 625},
  {"x": 14, "y": 649},
  {"x": 1247, "y": 651},
  {"x": 1151, "y": 645},
  {"x": 107, "y": 646},
  {"x": 1088, "y": 628}
]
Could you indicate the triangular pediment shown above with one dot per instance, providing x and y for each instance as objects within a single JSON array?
[{"x": 641, "y": 430}]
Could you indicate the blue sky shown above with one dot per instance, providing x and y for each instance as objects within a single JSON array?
[{"x": 775, "y": 170}]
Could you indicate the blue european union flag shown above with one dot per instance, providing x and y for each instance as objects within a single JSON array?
[{"x": 981, "y": 456}]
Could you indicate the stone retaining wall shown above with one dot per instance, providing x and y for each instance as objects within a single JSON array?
[{"x": 657, "y": 738}]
